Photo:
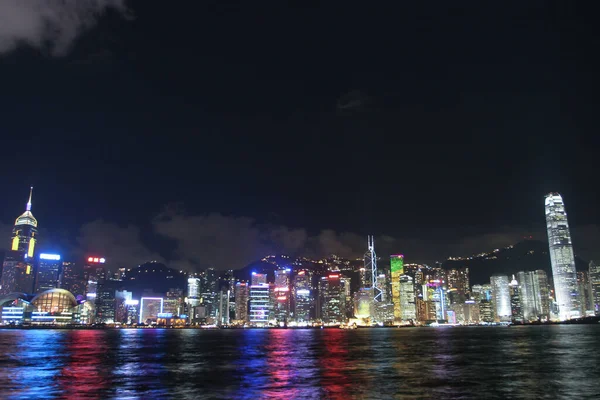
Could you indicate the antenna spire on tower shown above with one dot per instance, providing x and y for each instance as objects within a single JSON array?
[{"x": 29, "y": 201}]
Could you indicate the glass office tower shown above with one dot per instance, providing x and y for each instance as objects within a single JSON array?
[{"x": 562, "y": 258}]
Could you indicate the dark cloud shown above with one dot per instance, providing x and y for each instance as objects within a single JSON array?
[
  {"x": 223, "y": 242},
  {"x": 121, "y": 245},
  {"x": 355, "y": 100},
  {"x": 50, "y": 24}
]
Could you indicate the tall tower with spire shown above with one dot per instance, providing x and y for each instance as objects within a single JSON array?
[{"x": 25, "y": 232}]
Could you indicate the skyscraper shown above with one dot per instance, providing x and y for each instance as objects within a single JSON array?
[
  {"x": 24, "y": 234},
  {"x": 458, "y": 278},
  {"x": 363, "y": 303},
  {"x": 282, "y": 295},
  {"x": 241, "y": 301},
  {"x": 585, "y": 293},
  {"x": 17, "y": 273},
  {"x": 594, "y": 273},
  {"x": 562, "y": 258},
  {"x": 212, "y": 281},
  {"x": 260, "y": 304},
  {"x": 332, "y": 298},
  {"x": 193, "y": 291},
  {"x": 397, "y": 270},
  {"x": 407, "y": 298},
  {"x": 223, "y": 308},
  {"x": 501, "y": 297},
  {"x": 48, "y": 272},
  {"x": 303, "y": 300},
  {"x": 535, "y": 301},
  {"x": 72, "y": 278},
  {"x": 515, "y": 300}
]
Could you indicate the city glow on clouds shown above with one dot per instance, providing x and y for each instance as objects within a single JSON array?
[
  {"x": 225, "y": 242},
  {"x": 50, "y": 24}
]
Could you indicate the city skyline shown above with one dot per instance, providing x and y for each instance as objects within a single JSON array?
[{"x": 45, "y": 289}]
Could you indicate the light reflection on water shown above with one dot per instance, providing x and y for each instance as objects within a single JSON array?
[{"x": 516, "y": 362}]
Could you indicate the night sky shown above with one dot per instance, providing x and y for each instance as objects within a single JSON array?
[{"x": 213, "y": 132}]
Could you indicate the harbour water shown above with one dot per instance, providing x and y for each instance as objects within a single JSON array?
[{"x": 561, "y": 361}]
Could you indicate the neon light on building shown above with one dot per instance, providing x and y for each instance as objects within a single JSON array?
[
  {"x": 150, "y": 308},
  {"x": 397, "y": 270},
  {"x": 24, "y": 234}
]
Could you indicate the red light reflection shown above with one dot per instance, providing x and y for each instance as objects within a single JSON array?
[
  {"x": 82, "y": 377},
  {"x": 334, "y": 363}
]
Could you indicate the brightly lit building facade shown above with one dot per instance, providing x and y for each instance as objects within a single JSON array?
[
  {"x": 516, "y": 308},
  {"x": 281, "y": 305},
  {"x": 241, "y": 302},
  {"x": 562, "y": 258},
  {"x": 363, "y": 303},
  {"x": 397, "y": 270},
  {"x": 303, "y": 299},
  {"x": 407, "y": 298},
  {"x": 535, "y": 297},
  {"x": 332, "y": 298},
  {"x": 17, "y": 273},
  {"x": 150, "y": 308},
  {"x": 501, "y": 297},
  {"x": 52, "y": 307},
  {"x": 585, "y": 293},
  {"x": 48, "y": 272},
  {"x": 594, "y": 273},
  {"x": 72, "y": 278},
  {"x": 260, "y": 304},
  {"x": 193, "y": 291},
  {"x": 25, "y": 231}
]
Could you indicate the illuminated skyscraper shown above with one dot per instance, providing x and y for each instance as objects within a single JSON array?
[
  {"x": 370, "y": 266},
  {"x": 212, "y": 281},
  {"x": 17, "y": 273},
  {"x": 515, "y": 300},
  {"x": 24, "y": 234},
  {"x": 397, "y": 270},
  {"x": 332, "y": 298},
  {"x": 594, "y": 272},
  {"x": 150, "y": 307},
  {"x": 281, "y": 305},
  {"x": 48, "y": 272},
  {"x": 241, "y": 301},
  {"x": 260, "y": 304},
  {"x": 303, "y": 299},
  {"x": 407, "y": 298},
  {"x": 501, "y": 297},
  {"x": 173, "y": 302},
  {"x": 585, "y": 293},
  {"x": 121, "y": 299},
  {"x": 105, "y": 304},
  {"x": 223, "y": 308},
  {"x": 486, "y": 311},
  {"x": 562, "y": 258},
  {"x": 363, "y": 303},
  {"x": 193, "y": 291},
  {"x": 535, "y": 297},
  {"x": 94, "y": 275},
  {"x": 72, "y": 278},
  {"x": 458, "y": 278}
]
